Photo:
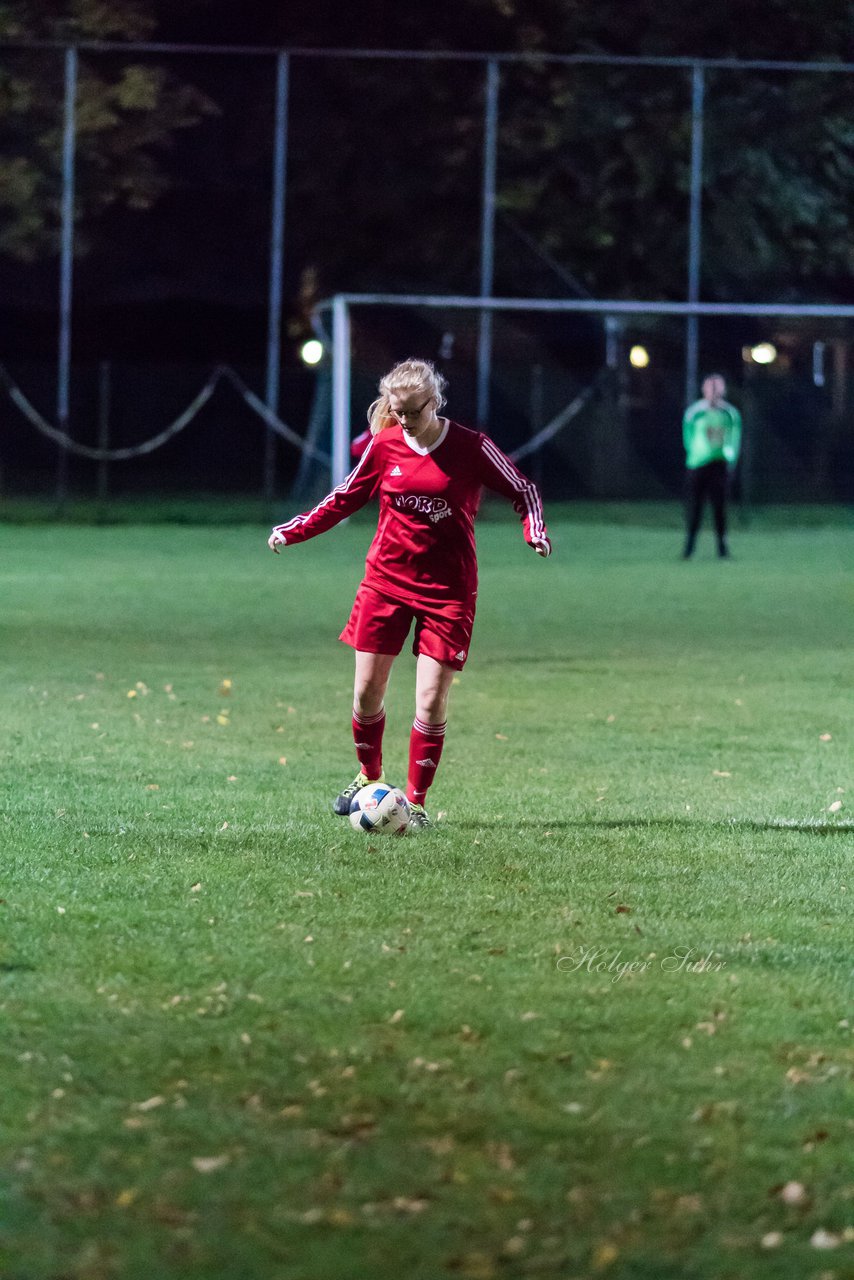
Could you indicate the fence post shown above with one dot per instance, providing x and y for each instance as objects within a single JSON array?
[
  {"x": 537, "y": 417},
  {"x": 103, "y": 434},
  {"x": 340, "y": 389},
  {"x": 66, "y": 271},
  {"x": 695, "y": 231},
  {"x": 277, "y": 253},
  {"x": 487, "y": 241}
]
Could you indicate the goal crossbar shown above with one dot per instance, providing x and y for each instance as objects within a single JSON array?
[{"x": 342, "y": 303}]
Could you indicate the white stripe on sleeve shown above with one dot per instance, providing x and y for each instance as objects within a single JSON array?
[
  {"x": 344, "y": 487},
  {"x": 524, "y": 487}
]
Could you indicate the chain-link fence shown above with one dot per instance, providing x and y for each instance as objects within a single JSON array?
[{"x": 174, "y": 213}]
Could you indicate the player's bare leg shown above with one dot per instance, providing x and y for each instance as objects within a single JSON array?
[
  {"x": 432, "y": 685},
  {"x": 372, "y": 674}
]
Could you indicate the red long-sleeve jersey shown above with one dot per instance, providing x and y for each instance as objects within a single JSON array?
[{"x": 423, "y": 552}]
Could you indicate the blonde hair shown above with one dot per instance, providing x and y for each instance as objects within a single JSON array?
[{"x": 409, "y": 376}]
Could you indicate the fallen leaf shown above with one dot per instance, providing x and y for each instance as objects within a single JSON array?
[
  {"x": 825, "y": 737},
  {"x": 209, "y": 1164},
  {"x": 793, "y": 1193},
  {"x": 473, "y": 1266},
  {"x": 502, "y": 1154},
  {"x": 396, "y": 1017},
  {"x": 150, "y": 1103},
  {"x": 409, "y": 1204},
  {"x": 513, "y": 1247},
  {"x": 834, "y": 807},
  {"x": 822, "y": 1239},
  {"x": 603, "y": 1255}
]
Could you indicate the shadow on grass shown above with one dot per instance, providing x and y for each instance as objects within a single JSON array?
[{"x": 628, "y": 824}]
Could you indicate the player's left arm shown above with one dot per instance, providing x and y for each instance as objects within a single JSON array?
[
  {"x": 498, "y": 473},
  {"x": 732, "y": 437}
]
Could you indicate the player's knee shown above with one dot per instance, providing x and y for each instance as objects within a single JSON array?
[
  {"x": 368, "y": 697},
  {"x": 431, "y": 706}
]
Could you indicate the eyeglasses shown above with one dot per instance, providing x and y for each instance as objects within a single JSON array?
[{"x": 410, "y": 413}]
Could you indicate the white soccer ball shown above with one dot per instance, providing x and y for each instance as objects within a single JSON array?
[{"x": 380, "y": 809}]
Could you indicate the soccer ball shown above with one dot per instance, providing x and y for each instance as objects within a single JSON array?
[{"x": 380, "y": 809}]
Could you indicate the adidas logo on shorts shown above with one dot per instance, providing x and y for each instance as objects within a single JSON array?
[{"x": 460, "y": 657}]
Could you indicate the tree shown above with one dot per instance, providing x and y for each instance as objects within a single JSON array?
[
  {"x": 594, "y": 162},
  {"x": 128, "y": 110}
]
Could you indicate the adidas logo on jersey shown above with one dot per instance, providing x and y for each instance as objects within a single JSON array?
[
  {"x": 427, "y": 764},
  {"x": 396, "y": 471}
]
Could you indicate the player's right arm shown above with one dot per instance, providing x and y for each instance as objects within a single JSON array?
[{"x": 348, "y": 497}]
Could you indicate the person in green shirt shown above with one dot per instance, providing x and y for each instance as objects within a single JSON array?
[{"x": 711, "y": 431}]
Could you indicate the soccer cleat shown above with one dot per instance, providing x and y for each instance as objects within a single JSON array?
[
  {"x": 341, "y": 804},
  {"x": 418, "y": 820}
]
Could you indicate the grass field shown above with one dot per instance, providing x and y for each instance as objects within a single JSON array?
[{"x": 597, "y": 1024}]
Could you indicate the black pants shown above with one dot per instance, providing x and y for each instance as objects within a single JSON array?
[{"x": 705, "y": 482}]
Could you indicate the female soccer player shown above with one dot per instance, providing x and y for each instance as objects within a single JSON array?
[{"x": 421, "y": 566}]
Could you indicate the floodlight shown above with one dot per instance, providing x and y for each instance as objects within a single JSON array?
[
  {"x": 311, "y": 352},
  {"x": 638, "y": 357},
  {"x": 763, "y": 353}
]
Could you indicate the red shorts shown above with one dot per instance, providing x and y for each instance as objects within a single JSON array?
[{"x": 380, "y": 625}]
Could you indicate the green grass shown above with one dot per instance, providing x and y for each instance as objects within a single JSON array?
[{"x": 241, "y": 1041}]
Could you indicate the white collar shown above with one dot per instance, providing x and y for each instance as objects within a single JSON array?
[{"x": 425, "y": 449}]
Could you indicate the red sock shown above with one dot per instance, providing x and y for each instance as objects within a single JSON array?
[
  {"x": 368, "y": 737},
  {"x": 425, "y": 751}
]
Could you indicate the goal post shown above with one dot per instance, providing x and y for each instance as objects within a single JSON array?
[{"x": 342, "y": 304}]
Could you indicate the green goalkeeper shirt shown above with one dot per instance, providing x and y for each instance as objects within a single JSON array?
[{"x": 711, "y": 433}]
